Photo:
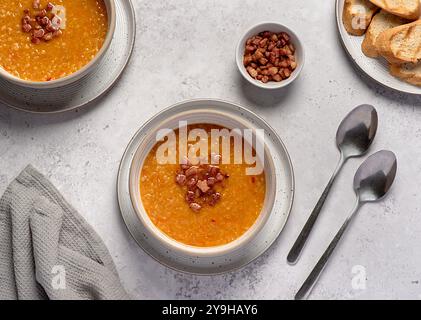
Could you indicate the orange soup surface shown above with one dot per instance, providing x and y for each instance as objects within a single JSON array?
[
  {"x": 239, "y": 203},
  {"x": 83, "y": 30}
]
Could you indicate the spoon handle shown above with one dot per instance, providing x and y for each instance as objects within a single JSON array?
[
  {"x": 314, "y": 275},
  {"x": 305, "y": 232}
]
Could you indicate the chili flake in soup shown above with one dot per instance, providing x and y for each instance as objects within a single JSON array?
[
  {"x": 211, "y": 220},
  {"x": 36, "y": 51}
]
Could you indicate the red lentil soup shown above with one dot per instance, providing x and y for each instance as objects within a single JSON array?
[
  {"x": 47, "y": 40},
  {"x": 219, "y": 206}
]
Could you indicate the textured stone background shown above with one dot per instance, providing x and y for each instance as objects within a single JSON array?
[{"x": 185, "y": 49}]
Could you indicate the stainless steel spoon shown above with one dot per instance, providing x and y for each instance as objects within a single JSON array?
[
  {"x": 353, "y": 138},
  {"x": 371, "y": 183}
]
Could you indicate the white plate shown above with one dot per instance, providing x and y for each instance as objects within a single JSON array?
[
  {"x": 91, "y": 87},
  {"x": 376, "y": 69},
  {"x": 225, "y": 262}
]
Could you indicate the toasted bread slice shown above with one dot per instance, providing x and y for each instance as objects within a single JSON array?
[
  {"x": 357, "y": 16},
  {"x": 409, "y": 72},
  {"x": 408, "y": 9},
  {"x": 401, "y": 44},
  {"x": 382, "y": 21}
]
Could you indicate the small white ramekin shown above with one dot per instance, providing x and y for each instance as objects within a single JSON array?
[
  {"x": 273, "y": 27},
  {"x": 194, "y": 116},
  {"x": 111, "y": 13}
]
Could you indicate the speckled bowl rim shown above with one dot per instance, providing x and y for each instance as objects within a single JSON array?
[
  {"x": 270, "y": 26},
  {"x": 112, "y": 18},
  {"x": 122, "y": 188}
]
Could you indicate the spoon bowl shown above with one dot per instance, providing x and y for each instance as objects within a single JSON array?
[
  {"x": 357, "y": 131},
  {"x": 375, "y": 177}
]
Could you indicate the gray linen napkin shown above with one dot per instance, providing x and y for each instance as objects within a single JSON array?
[{"x": 47, "y": 250}]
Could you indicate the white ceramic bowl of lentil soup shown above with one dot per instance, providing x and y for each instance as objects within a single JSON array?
[
  {"x": 51, "y": 43},
  {"x": 203, "y": 208}
]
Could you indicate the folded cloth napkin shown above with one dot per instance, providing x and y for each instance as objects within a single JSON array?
[{"x": 47, "y": 250}]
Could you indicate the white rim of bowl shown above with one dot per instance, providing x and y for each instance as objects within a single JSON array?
[
  {"x": 243, "y": 71},
  {"x": 111, "y": 13},
  {"x": 195, "y": 250}
]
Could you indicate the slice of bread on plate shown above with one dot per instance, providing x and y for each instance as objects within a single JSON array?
[
  {"x": 408, "y": 9},
  {"x": 409, "y": 72},
  {"x": 357, "y": 16},
  {"x": 401, "y": 44},
  {"x": 382, "y": 21}
]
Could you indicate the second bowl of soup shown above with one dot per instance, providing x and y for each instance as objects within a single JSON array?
[{"x": 46, "y": 44}]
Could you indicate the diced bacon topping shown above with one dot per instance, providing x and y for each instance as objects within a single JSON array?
[
  {"x": 203, "y": 186},
  {"x": 181, "y": 179},
  {"x": 202, "y": 182},
  {"x": 44, "y": 24},
  {"x": 35, "y": 40},
  {"x": 39, "y": 33},
  {"x": 49, "y": 7},
  {"x": 48, "y": 36},
  {"x": 26, "y": 28},
  {"x": 56, "y": 22}
]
